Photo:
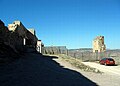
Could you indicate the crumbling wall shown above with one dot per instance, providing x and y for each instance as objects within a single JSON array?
[
  {"x": 29, "y": 39},
  {"x": 8, "y": 38},
  {"x": 15, "y": 38}
]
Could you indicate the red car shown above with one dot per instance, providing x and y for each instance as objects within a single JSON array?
[{"x": 107, "y": 61}]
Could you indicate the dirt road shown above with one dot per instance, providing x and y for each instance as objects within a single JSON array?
[
  {"x": 115, "y": 70},
  {"x": 107, "y": 78}
]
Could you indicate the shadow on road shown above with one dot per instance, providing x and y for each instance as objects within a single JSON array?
[{"x": 36, "y": 70}]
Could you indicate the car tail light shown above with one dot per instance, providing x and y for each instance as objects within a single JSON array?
[
  {"x": 107, "y": 61},
  {"x": 114, "y": 62}
]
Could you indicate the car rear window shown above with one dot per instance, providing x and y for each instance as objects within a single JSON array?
[{"x": 110, "y": 59}]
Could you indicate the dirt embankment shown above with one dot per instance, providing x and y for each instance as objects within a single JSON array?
[{"x": 77, "y": 63}]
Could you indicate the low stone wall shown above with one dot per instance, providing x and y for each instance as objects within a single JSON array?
[
  {"x": 55, "y": 50},
  {"x": 88, "y": 55}
]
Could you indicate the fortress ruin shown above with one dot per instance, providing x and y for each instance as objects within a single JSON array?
[{"x": 98, "y": 44}]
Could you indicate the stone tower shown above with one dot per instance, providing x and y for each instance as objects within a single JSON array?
[{"x": 98, "y": 44}]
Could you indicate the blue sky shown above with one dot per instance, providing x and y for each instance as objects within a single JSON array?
[{"x": 71, "y": 23}]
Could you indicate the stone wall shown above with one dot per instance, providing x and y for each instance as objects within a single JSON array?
[
  {"x": 84, "y": 54},
  {"x": 8, "y": 41},
  {"x": 15, "y": 38},
  {"x": 89, "y": 55},
  {"x": 29, "y": 38},
  {"x": 55, "y": 50}
]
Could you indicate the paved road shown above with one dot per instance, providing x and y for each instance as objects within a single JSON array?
[
  {"x": 107, "y": 69},
  {"x": 33, "y": 69}
]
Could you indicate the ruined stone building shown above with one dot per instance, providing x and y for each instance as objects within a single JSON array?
[
  {"x": 17, "y": 37},
  {"x": 28, "y": 37},
  {"x": 98, "y": 44}
]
